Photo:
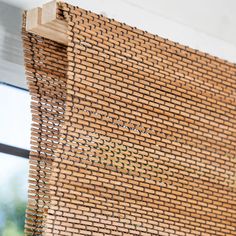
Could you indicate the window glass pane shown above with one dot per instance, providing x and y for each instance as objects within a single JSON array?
[
  {"x": 15, "y": 118},
  {"x": 13, "y": 194}
]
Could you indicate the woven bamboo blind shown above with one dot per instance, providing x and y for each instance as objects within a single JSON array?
[{"x": 132, "y": 134}]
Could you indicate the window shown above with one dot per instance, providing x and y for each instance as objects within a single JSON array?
[
  {"x": 15, "y": 120},
  {"x": 13, "y": 194}
]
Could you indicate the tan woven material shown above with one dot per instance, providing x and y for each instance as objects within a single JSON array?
[{"x": 132, "y": 134}]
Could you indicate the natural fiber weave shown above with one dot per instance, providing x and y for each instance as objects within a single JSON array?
[{"x": 132, "y": 134}]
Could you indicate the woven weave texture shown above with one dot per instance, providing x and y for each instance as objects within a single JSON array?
[{"x": 132, "y": 134}]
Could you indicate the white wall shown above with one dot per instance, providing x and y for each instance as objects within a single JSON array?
[
  {"x": 11, "y": 55},
  {"x": 206, "y": 25}
]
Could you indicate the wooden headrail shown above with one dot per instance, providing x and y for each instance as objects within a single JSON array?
[{"x": 43, "y": 21}]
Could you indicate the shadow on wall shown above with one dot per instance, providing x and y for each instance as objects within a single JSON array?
[{"x": 10, "y": 33}]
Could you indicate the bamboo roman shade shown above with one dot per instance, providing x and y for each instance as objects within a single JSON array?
[{"x": 132, "y": 134}]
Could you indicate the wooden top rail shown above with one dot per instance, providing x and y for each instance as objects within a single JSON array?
[{"x": 43, "y": 21}]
